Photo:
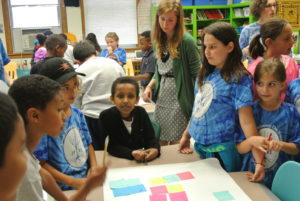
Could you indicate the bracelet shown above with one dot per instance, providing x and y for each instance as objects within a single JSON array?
[{"x": 260, "y": 164}]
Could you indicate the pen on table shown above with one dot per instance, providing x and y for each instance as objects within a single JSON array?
[{"x": 104, "y": 151}]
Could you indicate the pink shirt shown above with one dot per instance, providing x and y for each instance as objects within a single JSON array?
[{"x": 291, "y": 69}]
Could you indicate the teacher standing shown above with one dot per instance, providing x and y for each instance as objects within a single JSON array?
[{"x": 178, "y": 62}]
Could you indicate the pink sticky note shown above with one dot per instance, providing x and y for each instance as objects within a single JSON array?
[
  {"x": 159, "y": 190},
  {"x": 181, "y": 196},
  {"x": 158, "y": 197},
  {"x": 185, "y": 175}
]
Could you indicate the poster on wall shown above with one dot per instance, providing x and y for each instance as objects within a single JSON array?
[{"x": 290, "y": 11}]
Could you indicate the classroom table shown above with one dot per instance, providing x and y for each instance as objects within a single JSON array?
[{"x": 170, "y": 154}]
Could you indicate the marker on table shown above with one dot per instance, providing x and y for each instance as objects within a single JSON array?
[{"x": 263, "y": 159}]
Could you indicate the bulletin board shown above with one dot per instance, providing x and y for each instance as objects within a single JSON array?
[
  {"x": 290, "y": 11},
  {"x": 194, "y": 181}
]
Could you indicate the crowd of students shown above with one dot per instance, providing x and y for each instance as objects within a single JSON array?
[{"x": 52, "y": 121}]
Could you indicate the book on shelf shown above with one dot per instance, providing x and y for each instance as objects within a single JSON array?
[
  {"x": 201, "y": 15},
  {"x": 213, "y": 14}
]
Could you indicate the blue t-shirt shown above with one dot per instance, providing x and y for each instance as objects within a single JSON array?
[
  {"x": 119, "y": 54},
  {"x": 4, "y": 59},
  {"x": 68, "y": 153},
  {"x": 214, "y": 118},
  {"x": 282, "y": 124},
  {"x": 293, "y": 93}
]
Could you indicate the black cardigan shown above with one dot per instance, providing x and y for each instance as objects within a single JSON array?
[{"x": 121, "y": 143}]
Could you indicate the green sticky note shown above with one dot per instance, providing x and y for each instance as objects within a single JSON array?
[
  {"x": 171, "y": 178},
  {"x": 117, "y": 184},
  {"x": 223, "y": 196},
  {"x": 132, "y": 182}
]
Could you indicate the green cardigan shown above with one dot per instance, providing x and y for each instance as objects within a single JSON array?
[{"x": 185, "y": 70}]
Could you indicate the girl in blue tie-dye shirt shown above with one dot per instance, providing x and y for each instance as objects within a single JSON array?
[
  {"x": 223, "y": 99},
  {"x": 277, "y": 121}
]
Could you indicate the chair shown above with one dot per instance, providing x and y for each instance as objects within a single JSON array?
[
  {"x": 129, "y": 68},
  {"x": 11, "y": 69},
  {"x": 156, "y": 128},
  {"x": 286, "y": 181}
]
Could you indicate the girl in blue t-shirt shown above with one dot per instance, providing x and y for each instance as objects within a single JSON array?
[
  {"x": 223, "y": 98},
  {"x": 113, "y": 51},
  {"x": 277, "y": 121}
]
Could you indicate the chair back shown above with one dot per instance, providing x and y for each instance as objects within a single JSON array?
[
  {"x": 286, "y": 183},
  {"x": 23, "y": 72},
  {"x": 129, "y": 68},
  {"x": 156, "y": 128},
  {"x": 11, "y": 69}
]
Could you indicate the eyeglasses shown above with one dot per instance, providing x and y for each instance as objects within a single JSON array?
[
  {"x": 271, "y": 5},
  {"x": 70, "y": 88}
]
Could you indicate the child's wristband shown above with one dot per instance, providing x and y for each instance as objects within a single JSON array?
[{"x": 260, "y": 164}]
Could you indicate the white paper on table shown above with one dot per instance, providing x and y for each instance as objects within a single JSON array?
[{"x": 209, "y": 178}]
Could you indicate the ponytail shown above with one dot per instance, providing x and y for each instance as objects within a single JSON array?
[{"x": 256, "y": 49}]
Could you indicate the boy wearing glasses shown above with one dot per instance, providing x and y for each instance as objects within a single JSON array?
[{"x": 70, "y": 156}]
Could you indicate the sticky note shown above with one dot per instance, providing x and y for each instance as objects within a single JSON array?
[
  {"x": 157, "y": 181},
  {"x": 128, "y": 190},
  {"x": 159, "y": 190},
  {"x": 185, "y": 175},
  {"x": 174, "y": 188},
  {"x": 171, "y": 178},
  {"x": 223, "y": 196},
  {"x": 117, "y": 183},
  {"x": 158, "y": 197},
  {"x": 181, "y": 196},
  {"x": 132, "y": 182}
]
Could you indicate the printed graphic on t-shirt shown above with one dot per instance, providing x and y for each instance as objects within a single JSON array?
[
  {"x": 74, "y": 149},
  {"x": 203, "y": 100},
  {"x": 271, "y": 156}
]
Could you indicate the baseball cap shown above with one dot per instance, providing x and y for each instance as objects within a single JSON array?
[
  {"x": 47, "y": 32},
  {"x": 58, "y": 69}
]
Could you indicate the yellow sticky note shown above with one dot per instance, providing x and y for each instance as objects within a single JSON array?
[
  {"x": 157, "y": 181},
  {"x": 174, "y": 188}
]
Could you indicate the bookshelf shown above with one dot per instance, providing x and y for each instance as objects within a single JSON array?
[{"x": 196, "y": 18}]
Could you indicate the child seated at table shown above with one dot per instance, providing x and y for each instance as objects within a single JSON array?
[
  {"x": 128, "y": 126},
  {"x": 70, "y": 156}
]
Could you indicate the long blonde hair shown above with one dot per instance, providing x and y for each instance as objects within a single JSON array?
[{"x": 159, "y": 37}]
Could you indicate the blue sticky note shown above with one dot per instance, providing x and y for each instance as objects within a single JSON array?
[
  {"x": 171, "y": 178},
  {"x": 223, "y": 196},
  {"x": 129, "y": 190},
  {"x": 132, "y": 182},
  {"x": 117, "y": 184}
]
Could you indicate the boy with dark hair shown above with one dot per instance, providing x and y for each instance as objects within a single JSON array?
[
  {"x": 70, "y": 156},
  {"x": 40, "y": 103},
  {"x": 94, "y": 96},
  {"x": 56, "y": 46},
  {"x": 148, "y": 62}
]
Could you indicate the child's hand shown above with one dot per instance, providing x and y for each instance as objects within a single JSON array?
[
  {"x": 260, "y": 143},
  {"x": 95, "y": 178},
  {"x": 150, "y": 154},
  {"x": 138, "y": 155},
  {"x": 275, "y": 145},
  {"x": 258, "y": 175},
  {"x": 184, "y": 145},
  {"x": 109, "y": 49},
  {"x": 77, "y": 182}
]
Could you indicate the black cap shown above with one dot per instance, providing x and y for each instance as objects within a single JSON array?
[
  {"x": 58, "y": 69},
  {"x": 47, "y": 32}
]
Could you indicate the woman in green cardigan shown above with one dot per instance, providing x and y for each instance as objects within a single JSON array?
[{"x": 178, "y": 62}]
